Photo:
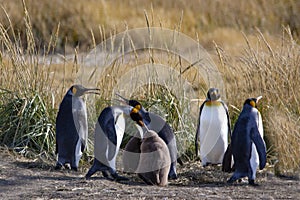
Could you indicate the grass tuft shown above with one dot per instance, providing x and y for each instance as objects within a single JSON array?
[
  {"x": 27, "y": 102},
  {"x": 27, "y": 125}
]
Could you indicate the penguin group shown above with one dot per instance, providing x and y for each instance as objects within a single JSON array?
[
  {"x": 247, "y": 149},
  {"x": 152, "y": 151}
]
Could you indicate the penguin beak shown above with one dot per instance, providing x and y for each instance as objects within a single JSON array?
[
  {"x": 258, "y": 98},
  {"x": 91, "y": 91},
  {"x": 124, "y": 100},
  {"x": 214, "y": 93}
]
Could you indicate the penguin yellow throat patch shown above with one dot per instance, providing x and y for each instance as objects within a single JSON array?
[{"x": 213, "y": 103}]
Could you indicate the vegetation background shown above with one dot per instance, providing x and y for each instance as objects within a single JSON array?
[{"x": 255, "y": 45}]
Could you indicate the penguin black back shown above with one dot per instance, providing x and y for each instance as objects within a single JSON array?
[
  {"x": 245, "y": 133},
  {"x": 65, "y": 123}
]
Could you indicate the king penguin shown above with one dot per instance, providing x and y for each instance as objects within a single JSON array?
[
  {"x": 72, "y": 128},
  {"x": 109, "y": 133},
  {"x": 248, "y": 146},
  {"x": 162, "y": 128},
  {"x": 213, "y": 129}
]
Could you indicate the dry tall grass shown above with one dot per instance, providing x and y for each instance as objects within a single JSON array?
[
  {"x": 28, "y": 95},
  {"x": 31, "y": 89},
  {"x": 78, "y": 18}
]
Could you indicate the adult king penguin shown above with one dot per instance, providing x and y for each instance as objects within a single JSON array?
[
  {"x": 162, "y": 128},
  {"x": 71, "y": 127},
  {"x": 248, "y": 146},
  {"x": 109, "y": 133},
  {"x": 213, "y": 129}
]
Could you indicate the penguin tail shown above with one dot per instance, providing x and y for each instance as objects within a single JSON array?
[
  {"x": 226, "y": 163},
  {"x": 180, "y": 161},
  {"x": 197, "y": 144}
]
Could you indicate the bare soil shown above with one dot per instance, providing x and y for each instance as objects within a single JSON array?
[{"x": 22, "y": 178}]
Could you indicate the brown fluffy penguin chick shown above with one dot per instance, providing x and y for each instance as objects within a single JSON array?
[
  {"x": 131, "y": 155},
  {"x": 155, "y": 160}
]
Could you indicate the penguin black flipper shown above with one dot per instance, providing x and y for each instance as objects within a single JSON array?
[
  {"x": 260, "y": 147},
  {"x": 197, "y": 131},
  {"x": 107, "y": 124}
]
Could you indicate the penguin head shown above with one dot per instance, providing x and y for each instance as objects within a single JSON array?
[
  {"x": 252, "y": 101},
  {"x": 135, "y": 104},
  {"x": 136, "y": 116},
  {"x": 146, "y": 119},
  {"x": 213, "y": 94},
  {"x": 139, "y": 108},
  {"x": 79, "y": 90}
]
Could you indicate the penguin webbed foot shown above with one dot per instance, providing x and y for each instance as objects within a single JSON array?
[
  {"x": 252, "y": 183},
  {"x": 58, "y": 166},
  {"x": 234, "y": 179},
  {"x": 172, "y": 177},
  {"x": 105, "y": 174},
  {"x": 74, "y": 169},
  {"x": 92, "y": 172},
  {"x": 117, "y": 177},
  {"x": 231, "y": 180},
  {"x": 67, "y": 166},
  {"x": 206, "y": 164}
]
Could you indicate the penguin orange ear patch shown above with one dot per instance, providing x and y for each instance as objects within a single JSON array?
[
  {"x": 252, "y": 103},
  {"x": 74, "y": 90},
  {"x": 134, "y": 110},
  {"x": 138, "y": 107}
]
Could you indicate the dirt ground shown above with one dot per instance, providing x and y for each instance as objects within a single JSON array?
[{"x": 22, "y": 178}]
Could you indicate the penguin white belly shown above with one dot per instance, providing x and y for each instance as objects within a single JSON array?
[
  {"x": 213, "y": 133},
  {"x": 80, "y": 121},
  {"x": 120, "y": 129},
  {"x": 254, "y": 160},
  {"x": 78, "y": 152}
]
